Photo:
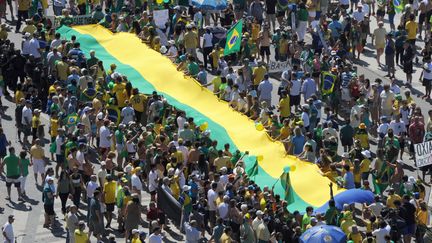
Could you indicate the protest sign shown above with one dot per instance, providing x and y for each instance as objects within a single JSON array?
[
  {"x": 423, "y": 154},
  {"x": 160, "y": 18},
  {"x": 275, "y": 66}
]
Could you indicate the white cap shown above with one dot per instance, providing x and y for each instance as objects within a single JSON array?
[
  {"x": 186, "y": 188},
  {"x": 366, "y": 153},
  {"x": 259, "y": 213}
]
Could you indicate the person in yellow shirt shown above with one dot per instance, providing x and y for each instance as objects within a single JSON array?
[
  {"x": 30, "y": 27},
  {"x": 285, "y": 131},
  {"x": 216, "y": 82},
  {"x": 392, "y": 197},
  {"x": 35, "y": 123},
  {"x": 62, "y": 69},
  {"x": 355, "y": 235},
  {"x": 118, "y": 89},
  {"x": 190, "y": 41},
  {"x": 19, "y": 94},
  {"x": 3, "y": 32},
  {"x": 215, "y": 56},
  {"x": 97, "y": 102},
  {"x": 226, "y": 236},
  {"x": 136, "y": 236},
  {"x": 411, "y": 29},
  {"x": 80, "y": 235},
  {"x": 138, "y": 102},
  {"x": 422, "y": 217},
  {"x": 258, "y": 73},
  {"x": 347, "y": 222},
  {"x": 109, "y": 191},
  {"x": 284, "y": 106}
]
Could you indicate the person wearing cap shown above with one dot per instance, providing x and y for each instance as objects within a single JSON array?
[
  {"x": 379, "y": 36},
  {"x": 136, "y": 236},
  {"x": 359, "y": 14},
  {"x": 109, "y": 192},
  {"x": 7, "y": 230},
  {"x": 190, "y": 40},
  {"x": 48, "y": 202}
]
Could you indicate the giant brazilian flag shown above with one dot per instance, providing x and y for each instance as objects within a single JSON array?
[
  {"x": 233, "y": 41},
  {"x": 306, "y": 186}
]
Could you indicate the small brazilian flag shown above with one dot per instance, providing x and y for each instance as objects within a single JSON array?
[
  {"x": 253, "y": 171},
  {"x": 233, "y": 40},
  {"x": 286, "y": 184},
  {"x": 398, "y": 6}
]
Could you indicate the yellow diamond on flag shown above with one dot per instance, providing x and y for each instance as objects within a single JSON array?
[{"x": 231, "y": 42}]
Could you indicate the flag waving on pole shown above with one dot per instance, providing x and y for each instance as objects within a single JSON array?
[
  {"x": 253, "y": 171},
  {"x": 286, "y": 184},
  {"x": 233, "y": 40}
]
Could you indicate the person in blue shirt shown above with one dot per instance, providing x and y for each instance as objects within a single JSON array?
[
  {"x": 348, "y": 179},
  {"x": 78, "y": 55},
  {"x": 336, "y": 27},
  {"x": 202, "y": 75},
  {"x": 297, "y": 142}
]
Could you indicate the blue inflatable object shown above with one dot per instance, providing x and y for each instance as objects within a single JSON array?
[
  {"x": 349, "y": 197},
  {"x": 210, "y": 4},
  {"x": 323, "y": 234}
]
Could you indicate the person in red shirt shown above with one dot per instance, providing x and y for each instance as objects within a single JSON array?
[{"x": 416, "y": 133}]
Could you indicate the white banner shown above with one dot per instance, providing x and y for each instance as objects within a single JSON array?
[
  {"x": 423, "y": 154},
  {"x": 160, "y": 17},
  {"x": 277, "y": 67}
]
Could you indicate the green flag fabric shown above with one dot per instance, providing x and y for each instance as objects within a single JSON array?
[
  {"x": 286, "y": 184},
  {"x": 234, "y": 36},
  {"x": 253, "y": 171}
]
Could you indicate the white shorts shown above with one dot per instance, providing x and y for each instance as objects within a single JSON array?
[{"x": 39, "y": 166}]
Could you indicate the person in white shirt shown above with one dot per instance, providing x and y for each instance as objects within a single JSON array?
[
  {"x": 56, "y": 42},
  {"x": 207, "y": 45},
  {"x": 265, "y": 90},
  {"x": 156, "y": 236},
  {"x": 26, "y": 119},
  {"x": 25, "y": 44},
  {"x": 136, "y": 183},
  {"x": 427, "y": 78},
  {"x": 305, "y": 116},
  {"x": 7, "y": 230},
  {"x": 295, "y": 90},
  {"x": 127, "y": 113},
  {"x": 92, "y": 185},
  {"x": 381, "y": 232},
  {"x": 376, "y": 207},
  {"x": 223, "y": 208},
  {"x": 172, "y": 52},
  {"x": 398, "y": 126},
  {"x": 102, "y": 173},
  {"x": 211, "y": 199},
  {"x": 359, "y": 14},
  {"x": 153, "y": 182},
  {"x": 105, "y": 139},
  {"x": 34, "y": 47}
]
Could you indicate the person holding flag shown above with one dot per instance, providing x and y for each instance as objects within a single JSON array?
[{"x": 233, "y": 41}]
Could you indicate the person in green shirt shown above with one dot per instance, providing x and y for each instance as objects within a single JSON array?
[
  {"x": 13, "y": 172},
  {"x": 307, "y": 218},
  {"x": 120, "y": 143},
  {"x": 192, "y": 67},
  {"x": 25, "y": 163}
]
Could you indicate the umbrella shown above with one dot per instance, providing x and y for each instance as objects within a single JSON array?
[
  {"x": 323, "y": 234},
  {"x": 210, "y": 4}
]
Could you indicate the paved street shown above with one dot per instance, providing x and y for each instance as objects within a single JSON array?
[{"x": 29, "y": 214}]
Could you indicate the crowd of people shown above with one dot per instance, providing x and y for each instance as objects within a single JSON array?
[{"x": 110, "y": 144}]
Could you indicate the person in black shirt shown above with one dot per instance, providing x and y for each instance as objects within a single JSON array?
[
  {"x": 407, "y": 211},
  {"x": 408, "y": 56}
]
